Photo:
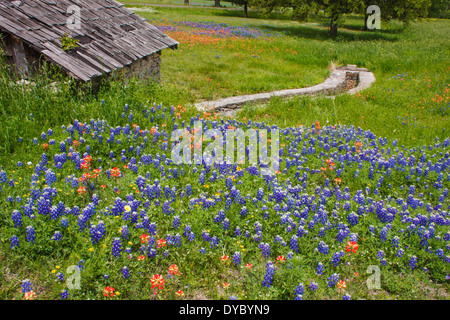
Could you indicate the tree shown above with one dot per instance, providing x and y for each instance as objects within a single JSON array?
[
  {"x": 242, "y": 3},
  {"x": 407, "y": 10},
  {"x": 440, "y": 9},
  {"x": 402, "y": 10},
  {"x": 334, "y": 9},
  {"x": 186, "y": 2},
  {"x": 216, "y": 3}
]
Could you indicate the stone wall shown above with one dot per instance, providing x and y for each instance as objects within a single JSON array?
[{"x": 144, "y": 68}]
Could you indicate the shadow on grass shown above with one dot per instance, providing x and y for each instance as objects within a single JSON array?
[
  {"x": 253, "y": 14},
  {"x": 319, "y": 31}
]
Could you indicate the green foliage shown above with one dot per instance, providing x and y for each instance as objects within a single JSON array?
[
  {"x": 440, "y": 9},
  {"x": 68, "y": 43},
  {"x": 402, "y": 10}
]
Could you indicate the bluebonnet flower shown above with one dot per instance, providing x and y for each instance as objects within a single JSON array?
[
  {"x": 59, "y": 276},
  {"x": 226, "y": 224},
  {"x": 268, "y": 277},
  {"x": 440, "y": 253},
  {"x": 337, "y": 257},
  {"x": 237, "y": 258},
  {"x": 294, "y": 243},
  {"x": 333, "y": 279},
  {"x": 265, "y": 247},
  {"x": 412, "y": 262},
  {"x": 26, "y": 286},
  {"x": 57, "y": 236},
  {"x": 31, "y": 234},
  {"x": 313, "y": 286},
  {"x": 322, "y": 247},
  {"x": 125, "y": 272},
  {"x": 124, "y": 232},
  {"x": 380, "y": 254},
  {"x": 116, "y": 247},
  {"x": 64, "y": 294},
  {"x": 395, "y": 241},
  {"x": 17, "y": 218},
  {"x": 300, "y": 289},
  {"x": 346, "y": 296},
  {"x": 176, "y": 222},
  {"x": 14, "y": 241},
  {"x": 352, "y": 219},
  {"x": 319, "y": 268}
]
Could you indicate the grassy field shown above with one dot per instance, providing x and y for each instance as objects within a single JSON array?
[
  {"x": 380, "y": 157},
  {"x": 411, "y": 67}
]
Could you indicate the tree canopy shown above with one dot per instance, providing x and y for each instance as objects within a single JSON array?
[{"x": 403, "y": 10}]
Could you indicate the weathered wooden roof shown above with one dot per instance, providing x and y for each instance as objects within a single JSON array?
[{"x": 111, "y": 36}]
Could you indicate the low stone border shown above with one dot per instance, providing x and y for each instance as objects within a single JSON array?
[{"x": 348, "y": 79}]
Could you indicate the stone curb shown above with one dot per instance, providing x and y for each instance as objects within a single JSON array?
[{"x": 333, "y": 85}]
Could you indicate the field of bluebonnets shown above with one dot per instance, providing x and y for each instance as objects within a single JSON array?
[{"x": 93, "y": 206}]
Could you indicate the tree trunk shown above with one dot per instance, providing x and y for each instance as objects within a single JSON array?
[
  {"x": 216, "y": 3},
  {"x": 366, "y": 16},
  {"x": 333, "y": 27},
  {"x": 245, "y": 11},
  {"x": 186, "y": 2}
]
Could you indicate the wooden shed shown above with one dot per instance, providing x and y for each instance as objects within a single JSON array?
[{"x": 86, "y": 38}]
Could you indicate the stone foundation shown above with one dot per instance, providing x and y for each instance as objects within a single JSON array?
[{"x": 148, "y": 67}]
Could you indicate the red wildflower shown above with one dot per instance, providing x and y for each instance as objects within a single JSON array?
[
  {"x": 341, "y": 285},
  {"x": 30, "y": 295},
  {"x": 85, "y": 165},
  {"x": 108, "y": 292},
  {"x": 158, "y": 281},
  {"x": 81, "y": 190},
  {"x": 161, "y": 243},
  {"x": 352, "y": 246},
  {"x": 115, "y": 172},
  {"x": 173, "y": 269},
  {"x": 145, "y": 238},
  {"x": 88, "y": 159},
  {"x": 179, "y": 293}
]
